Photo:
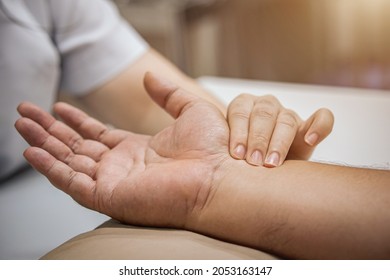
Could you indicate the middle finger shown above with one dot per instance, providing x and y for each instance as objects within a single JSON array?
[{"x": 261, "y": 126}]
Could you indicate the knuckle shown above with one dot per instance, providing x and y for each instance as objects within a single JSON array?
[
  {"x": 93, "y": 172},
  {"x": 265, "y": 110},
  {"x": 269, "y": 99},
  {"x": 102, "y": 133},
  {"x": 75, "y": 143},
  {"x": 272, "y": 99},
  {"x": 236, "y": 114},
  {"x": 51, "y": 168},
  {"x": 71, "y": 179},
  {"x": 100, "y": 151},
  {"x": 240, "y": 108},
  {"x": 68, "y": 158},
  {"x": 266, "y": 107},
  {"x": 259, "y": 139},
  {"x": 241, "y": 101},
  {"x": 244, "y": 96},
  {"x": 45, "y": 142},
  {"x": 288, "y": 118},
  {"x": 168, "y": 98},
  {"x": 174, "y": 104}
]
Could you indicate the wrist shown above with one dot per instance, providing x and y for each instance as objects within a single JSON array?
[
  {"x": 232, "y": 207},
  {"x": 217, "y": 174}
]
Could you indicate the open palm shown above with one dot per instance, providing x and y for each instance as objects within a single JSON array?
[{"x": 134, "y": 178}]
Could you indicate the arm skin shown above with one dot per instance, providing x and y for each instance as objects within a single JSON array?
[
  {"x": 301, "y": 210},
  {"x": 259, "y": 124},
  {"x": 184, "y": 177},
  {"x": 127, "y": 95}
]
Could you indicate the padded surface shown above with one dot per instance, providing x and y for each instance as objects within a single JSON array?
[{"x": 112, "y": 241}]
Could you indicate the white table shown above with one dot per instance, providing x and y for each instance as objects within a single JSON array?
[{"x": 35, "y": 217}]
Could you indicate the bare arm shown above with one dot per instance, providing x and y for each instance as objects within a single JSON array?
[{"x": 301, "y": 210}]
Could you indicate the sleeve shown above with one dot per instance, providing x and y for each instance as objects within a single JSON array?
[{"x": 94, "y": 42}]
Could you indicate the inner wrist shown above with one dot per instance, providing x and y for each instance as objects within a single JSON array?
[
  {"x": 235, "y": 197},
  {"x": 227, "y": 170}
]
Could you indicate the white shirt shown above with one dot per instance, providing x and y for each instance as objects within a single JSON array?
[{"x": 48, "y": 45}]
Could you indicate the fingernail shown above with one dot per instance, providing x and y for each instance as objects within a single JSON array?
[
  {"x": 239, "y": 151},
  {"x": 256, "y": 158},
  {"x": 272, "y": 160},
  {"x": 312, "y": 139}
]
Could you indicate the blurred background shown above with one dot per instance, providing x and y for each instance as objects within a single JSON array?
[
  {"x": 327, "y": 42},
  {"x": 332, "y": 42}
]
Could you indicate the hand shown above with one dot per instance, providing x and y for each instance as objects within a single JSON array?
[
  {"x": 263, "y": 132},
  {"x": 134, "y": 178}
]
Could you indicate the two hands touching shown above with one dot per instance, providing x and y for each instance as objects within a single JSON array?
[
  {"x": 121, "y": 174},
  {"x": 170, "y": 179}
]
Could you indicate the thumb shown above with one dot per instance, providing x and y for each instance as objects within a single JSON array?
[{"x": 167, "y": 95}]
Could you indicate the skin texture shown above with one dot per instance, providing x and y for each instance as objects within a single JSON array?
[
  {"x": 257, "y": 123},
  {"x": 113, "y": 166},
  {"x": 184, "y": 177},
  {"x": 263, "y": 132}
]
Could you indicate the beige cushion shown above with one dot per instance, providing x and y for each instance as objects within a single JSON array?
[{"x": 113, "y": 240}]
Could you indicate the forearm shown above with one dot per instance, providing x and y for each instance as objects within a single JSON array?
[
  {"x": 124, "y": 103},
  {"x": 302, "y": 210}
]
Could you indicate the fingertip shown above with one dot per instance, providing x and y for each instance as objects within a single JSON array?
[
  {"x": 157, "y": 83},
  {"x": 60, "y": 107},
  {"x": 148, "y": 77},
  {"x": 238, "y": 151},
  {"x": 167, "y": 95},
  {"x": 158, "y": 88},
  {"x": 327, "y": 112},
  {"x": 34, "y": 152},
  {"x": 29, "y": 152},
  {"x": 24, "y": 107},
  {"x": 23, "y": 125},
  {"x": 149, "y": 82},
  {"x": 312, "y": 138},
  {"x": 272, "y": 160},
  {"x": 255, "y": 158},
  {"x": 35, "y": 156},
  {"x": 70, "y": 115},
  {"x": 18, "y": 123},
  {"x": 324, "y": 118},
  {"x": 40, "y": 159},
  {"x": 20, "y": 107}
]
